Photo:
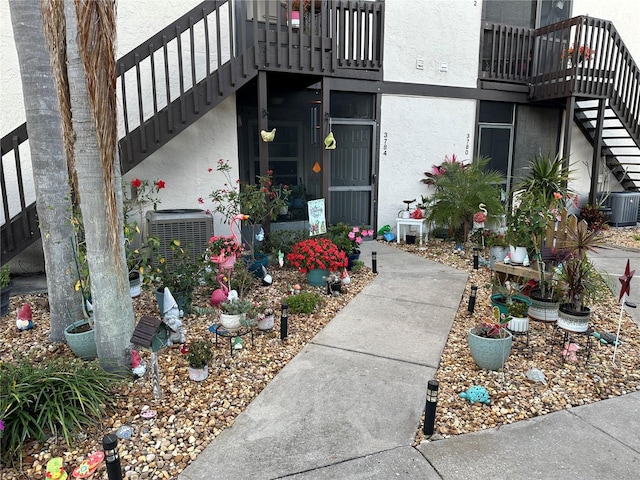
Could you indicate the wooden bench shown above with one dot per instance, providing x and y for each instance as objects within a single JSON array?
[{"x": 555, "y": 237}]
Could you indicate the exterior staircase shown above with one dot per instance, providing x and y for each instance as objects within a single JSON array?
[
  {"x": 583, "y": 59},
  {"x": 179, "y": 74}
]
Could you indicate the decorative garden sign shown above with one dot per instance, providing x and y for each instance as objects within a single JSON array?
[{"x": 317, "y": 220}]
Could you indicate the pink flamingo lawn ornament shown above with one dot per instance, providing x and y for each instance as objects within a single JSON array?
[
  {"x": 236, "y": 221},
  {"x": 220, "y": 259},
  {"x": 221, "y": 294}
]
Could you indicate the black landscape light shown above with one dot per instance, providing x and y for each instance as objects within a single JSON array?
[
  {"x": 284, "y": 321},
  {"x": 430, "y": 408},
  {"x": 111, "y": 457},
  {"x": 472, "y": 298},
  {"x": 374, "y": 262}
]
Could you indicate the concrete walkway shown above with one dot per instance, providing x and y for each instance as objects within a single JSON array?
[{"x": 351, "y": 400}]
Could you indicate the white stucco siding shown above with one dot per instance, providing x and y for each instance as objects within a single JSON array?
[
  {"x": 445, "y": 35},
  {"x": 418, "y": 132},
  {"x": 625, "y": 15},
  {"x": 183, "y": 163}
]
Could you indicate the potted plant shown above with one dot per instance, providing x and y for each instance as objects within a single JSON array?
[
  {"x": 495, "y": 241},
  {"x": 505, "y": 294},
  {"x": 489, "y": 342},
  {"x": 577, "y": 279},
  {"x": 348, "y": 239},
  {"x": 5, "y": 289},
  {"x": 180, "y": 276},
  {"x": 261, "y": 201},
  {"x": 223, "y": 251},
  {"x": 539, "y": 199},
  {"x": 518, "y": 316},
  {"x": 233, "y": 314},
  {"x": 198, "y": 356},
  {"x": 317, "y": 257},
  {"x": 459, "y": 189},
  {"x": 139, "y": 251}
]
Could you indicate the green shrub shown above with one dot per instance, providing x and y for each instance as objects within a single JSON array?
[
  {"x": 59, "y": 398},
  {"x": 357, "y": 265},
  {"x": 283, "y": 240},
  {"x": 304, "y": 302},
  {"x": 4, "y": 276}
]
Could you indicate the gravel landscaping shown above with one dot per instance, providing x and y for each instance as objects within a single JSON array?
[{"x": 191, "y": 414}]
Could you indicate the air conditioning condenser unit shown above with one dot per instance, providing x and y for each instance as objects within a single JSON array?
[{"x": 191, "y": 227}]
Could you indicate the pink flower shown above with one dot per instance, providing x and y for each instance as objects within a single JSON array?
[
  {"x": 352, "y": 235},
  {"x": 359, "y": 240},
  {"x": 200, "y": 200}
]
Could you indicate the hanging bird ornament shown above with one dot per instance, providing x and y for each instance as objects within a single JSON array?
[
  {"x": 268, "y": 137},
  {"x": 330, "y": 142}
]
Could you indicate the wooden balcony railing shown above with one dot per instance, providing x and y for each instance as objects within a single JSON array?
[{"x": 583, "y": 57}]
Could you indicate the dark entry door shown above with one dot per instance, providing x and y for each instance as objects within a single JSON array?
[{"x": 352, "y": 189}]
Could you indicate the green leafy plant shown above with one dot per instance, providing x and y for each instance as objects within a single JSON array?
[
  {"x": 200, "y": 353},
  {"x": 539, "y": 199},
  {"x": 518, "y": 309},
  {"x": 261, "y": 200},
  {"x": 304, "y": 302},
  {"x": 59, "y": 397},
  {"x": 283, "y": 240},
  {"x": 578, "y": 278},
  {"x": 4, "y": 276},
  {"x": 348, "y": 238},
  {"x": 139, "y": 250},
  {"x": 459, "y": 190},
  {"x": 357, "y": 265},
  {"x": 235, "y": 307},
  {"x": 182, "y": 275}
]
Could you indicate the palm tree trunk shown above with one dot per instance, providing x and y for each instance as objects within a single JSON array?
[
  {"x": 49, "y": 164},
  {"x": 91, "y": 72}
]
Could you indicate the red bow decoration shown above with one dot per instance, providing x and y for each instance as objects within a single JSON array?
[{"x": 625, "y": 280}]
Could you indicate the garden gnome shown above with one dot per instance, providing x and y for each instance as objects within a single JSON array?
[
  {"x": 23, "y": 322},
  {"x": 137, "y": 365},
  {"x": 172, "y": 319}
]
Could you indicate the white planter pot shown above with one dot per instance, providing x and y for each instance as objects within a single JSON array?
[
  {"x": 199, "y": 374},
  {"x": 518, "y": 324},
  {"x": 135, "y": 285},
  {"x": 518, "y": 254},
  {"x": 542, "y": 309},
  {"x": 231, "y": 323},
  {"x": 266, "y": 323},
  {"x": 572, "y": 320}
]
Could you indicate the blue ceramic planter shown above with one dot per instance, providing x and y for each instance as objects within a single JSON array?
[
  {"x": 314, "y": 277},
  {"x": 489, "y": 353}
]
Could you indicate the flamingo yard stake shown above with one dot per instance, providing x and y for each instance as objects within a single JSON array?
[{"x": 625, "y": 289}]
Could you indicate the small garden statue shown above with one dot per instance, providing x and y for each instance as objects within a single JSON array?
[
  {"x": 476, "y": 394},
  {"x": 172, "y": 320},
  {"x": 24, "y": 318}
]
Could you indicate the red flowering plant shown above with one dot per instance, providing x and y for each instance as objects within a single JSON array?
[
  {"x": 317, "y": 253},
  {"x": 583, "y": 52},
  {"x": 139, "y": 251}
]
